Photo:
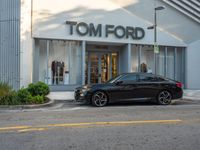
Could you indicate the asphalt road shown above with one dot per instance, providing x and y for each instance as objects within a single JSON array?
[{"x": 122, "y": 126}]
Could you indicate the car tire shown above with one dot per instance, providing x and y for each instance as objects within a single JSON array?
[
  {"x": 164, "y": 98},
  {"x": 99, "y": 99}
]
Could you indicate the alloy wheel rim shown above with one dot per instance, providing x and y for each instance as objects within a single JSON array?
[
  {"x": 165, "y": 97},
  {"x": 100, "y": 99}
]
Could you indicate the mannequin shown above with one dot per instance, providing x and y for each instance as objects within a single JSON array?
[
  {"x": 143, "y": 67},
  {"x": 57, "y": 68},
  {"x": 54, "y": 70}
]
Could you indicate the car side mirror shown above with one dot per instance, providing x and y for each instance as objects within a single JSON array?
[{"x": 118, "y": 82}]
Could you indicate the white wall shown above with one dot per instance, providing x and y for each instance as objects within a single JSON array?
[
  {"x": 26, "y": 44},
  {"x": 49, "y": 19},
  {"x": 170, "y": 20},
  {"x": 193, "y": 65}
]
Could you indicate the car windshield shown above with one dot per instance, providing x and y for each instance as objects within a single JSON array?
[{"x": 114, "y": 79}]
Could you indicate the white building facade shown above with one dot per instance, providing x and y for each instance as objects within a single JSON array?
[{"x": 70, "y": 43}]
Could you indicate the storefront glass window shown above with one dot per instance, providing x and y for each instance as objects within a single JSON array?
[
  {"x": 170, "y": 61},
  {"x": 60, "y": 62},
  {"x": 147, "y": 60}
]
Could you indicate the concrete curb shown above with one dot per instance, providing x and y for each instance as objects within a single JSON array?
[
  {"x": 47, "y": 104},
  {"x": 191, "y": 98},
  {"x": 56, "y": 101}
]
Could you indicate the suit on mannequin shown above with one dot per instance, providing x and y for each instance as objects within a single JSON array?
[
  {"x": 54, "y": 66},
  {"x": 57, "y": 68}
]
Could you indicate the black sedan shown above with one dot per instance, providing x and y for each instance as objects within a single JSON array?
[{"x": 130, "y": 86}]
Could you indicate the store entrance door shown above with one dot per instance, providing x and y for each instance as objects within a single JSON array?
[{"x": 101, "y": 67}]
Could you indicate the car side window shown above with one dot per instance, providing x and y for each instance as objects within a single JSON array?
[
  {"x": 130, "y": 77},
  {"x": 147, "y": 78},
  {"x": 160, "y": 79}
]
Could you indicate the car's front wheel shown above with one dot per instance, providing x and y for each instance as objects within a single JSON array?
[
  {"x": 99, "y": 99},
  {"x": 164, "y": 98}
]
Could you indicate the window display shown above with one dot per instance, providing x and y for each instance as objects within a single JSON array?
[
  {"x": 57, "y": 69},
  {"x": 60, "y": 62}
]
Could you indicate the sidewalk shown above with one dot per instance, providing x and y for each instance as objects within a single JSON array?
[
  {"x": 61, "y": 96},
  {"x": 191, "y": 94},
  {"x": 64, "y": 96}
]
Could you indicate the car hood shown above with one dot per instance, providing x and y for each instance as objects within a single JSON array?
[{"x": 91, "y": 86}]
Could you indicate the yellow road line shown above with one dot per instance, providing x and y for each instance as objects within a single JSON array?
[
  {"x": 85, "y": 124},
  {"x": 32, "y": 129},
  {"x": 114, "y": 123},
  {"x": 14, "y": 128}
]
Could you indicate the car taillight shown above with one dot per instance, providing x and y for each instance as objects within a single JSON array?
[{"x": 179, "y": 84}]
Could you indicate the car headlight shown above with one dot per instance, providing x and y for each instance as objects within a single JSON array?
[{"x": 85, "y": 90}]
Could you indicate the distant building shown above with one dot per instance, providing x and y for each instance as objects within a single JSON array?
[{"x": 68, "y": 43}]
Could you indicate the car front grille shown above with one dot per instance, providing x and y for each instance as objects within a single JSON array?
[{"x": 77, "y": 94}]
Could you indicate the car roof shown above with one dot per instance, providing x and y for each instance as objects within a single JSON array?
[
  {"x": 143, "y": 73},
  {"x": 137, "y": 73}
]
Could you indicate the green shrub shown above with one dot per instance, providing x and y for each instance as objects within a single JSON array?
[
  {"x": 10, "y": 99},
  {"x": 34, "y": 94},
  {"x": 5, "y": 90},
  {"x": 38, "y": 88},
  {"x": 7, "y": 95},
  {"x": 39, "y": 99},
  {"x": 24, "y": 96}
]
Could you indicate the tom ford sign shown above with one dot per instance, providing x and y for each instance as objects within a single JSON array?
[{"x": 84, "y": 29}]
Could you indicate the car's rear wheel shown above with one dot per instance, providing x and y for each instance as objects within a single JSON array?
[
  {"x": 99, "y": 99},
  {"x": 164, "y": 98}
]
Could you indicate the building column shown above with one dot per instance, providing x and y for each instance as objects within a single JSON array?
[
  {"x": 83, "y": 61},
  {"x": 129, "y": 57},
  {"x": 26, "y": 44},
  {"x": 175, "y": 63},
  {"x": 125, "y": 59},
  {"x": 47, "y": 61},
  {"x": 165, "y": 62},
  {"x": 139, "y": 57},
  {"x": 184, "y": 67},
  {"x": 36, "y": 60}
]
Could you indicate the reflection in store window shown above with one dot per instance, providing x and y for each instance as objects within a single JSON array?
[
  {"x": 147, "y": 60},
  {"x": 61, "y": 63},
  {"x": 114, "y": 65},
  {"x": 165, "y": 61}
]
